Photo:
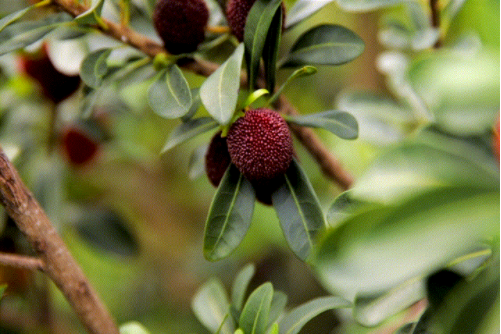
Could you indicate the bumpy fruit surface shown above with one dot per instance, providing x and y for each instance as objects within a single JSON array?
[
  {"x": 181, "y": 24},
  {"x": 236, "y": 13},
  {"x": 55, "y": 85},
  {"x": 260, "y": 145},
  {"x": 217, "y": 159},
  {"x": 79, "y": 146}
]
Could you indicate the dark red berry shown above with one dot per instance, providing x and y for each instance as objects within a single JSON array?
[
  {"x": 260, "y": 145},
  {"x": 217, "y": 159},
  {"x": 236, "y": 14},
  {"x": 181, "y": 24},
  {"x": 79, "y": 145},
  {"x": 55, "y": 85}
]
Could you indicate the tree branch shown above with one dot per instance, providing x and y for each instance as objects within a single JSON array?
[
  {"x": 327, "y": 161},
  {"x": 435, "y": 20},
  {"x": 57, "y": 261},
  {"x": 21, "y": 261}
]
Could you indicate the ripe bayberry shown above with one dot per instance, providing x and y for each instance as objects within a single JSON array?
[
  {"x": 236, "y": 13},
  {"x": 181, "y": 24},
  {"x": 217, "y": 159},
  {"x": 55, "y": 85},
  {"x": 260, "y": 145},
  {"x": 79, "y": 145}
]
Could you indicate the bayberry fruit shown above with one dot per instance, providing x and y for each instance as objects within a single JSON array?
[
  {"x": 55, "y": 85},
  {"x": 236, "y": 14},
  {"x": 181, "y": 24},
  {"x": 260, "y": 145},
  {"x": 217, "y": 159},
  {"x": 79, "y": 145}
]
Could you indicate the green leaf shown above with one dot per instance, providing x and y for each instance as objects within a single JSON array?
[
  {"x": 254, "y": 317},
  {"x": 256, "y": 30},
  {"x": 271, "y": 47},
  {"x": 372, "y": 310},
  {"x": 273, "y": 329},
  {"x": 303, "y": 9},
  {"x": 22, "y": 34},
  {"x": 277, "y": 307},
  {"x": 378, "y": 249},
  {"x": 366, "y": 5},
  {"x": 3, "y": 287},
  {"x": 325, "y": 44},
  {"x": 133, "y": 327},
  {"x": 91, "y": 15},
  {"x": 299, "y": 316},
  {"x": 219, "y": 92},
  {"x": 211, "y": 307},
  {"x": 13, "y": 17},
  {"x": 229, "y": 216},
  {"x": 340, "y": 123},
  {"x": 240, "y": 285},
  {"x": 188, "y": 130},
  {"x": 298, "y": 211},
  {"x": 302, "y": 72},
  {"x": 196, "y": 164},
  {"x": 195, "y": 104},
  {"x": 94, "y": 67},
  {"x": 170, "y": 95},
  {"x": 345, "y": 206}
]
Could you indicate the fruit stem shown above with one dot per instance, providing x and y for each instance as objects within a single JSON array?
[{"x": 218, "y": 29}]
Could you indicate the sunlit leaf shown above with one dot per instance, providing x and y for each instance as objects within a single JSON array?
[
  {"x": 211, "y": 307},
  {"x": 254, "y": 317},
  {"x": 240, "y": 285},
  {"x": 303, "y": 9},
  {"x": 325, "y": 44},
  {"x": 229, "y": 216},
  {"x": 91, "y": 15},
  {"x": 188, "y": 130},
  {"x": 299, "y": 316},
  {"x": 170, "y": 95},
  {"x": 299, "y": 211},
  {"x": 340, "y": 123},
  {"x": 94, "y": 67},
  {"x": 219, "y": 92},
  {"x": 256, "y": 30},
  {"x": 133, "y": 327},
  {"x": 366, "y": 5}
]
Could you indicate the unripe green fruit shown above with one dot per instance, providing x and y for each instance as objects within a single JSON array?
[
  {"x": 181, "y": 24},
  {"x": 237, "y": 12},
  {"x": 217, "y": 159},
  {"x": 55, "y": 85},
  {"x": 260, "y": 145}
]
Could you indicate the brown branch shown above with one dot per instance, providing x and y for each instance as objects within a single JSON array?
[
  {"x": 329, "y": 164},
  {"x": 59, "y": 265},
  {"x": 435, "y": 20},
  {"x": 21, "y": 261}
]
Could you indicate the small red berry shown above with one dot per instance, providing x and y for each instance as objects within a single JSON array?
[
  {"x": 79, "y": 145},
  {"x": 181, "y": 24},
  {"x": 217, "y": 159}
]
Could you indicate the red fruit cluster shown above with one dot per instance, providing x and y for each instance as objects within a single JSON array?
[
  {"x": 260, "y": 145},
  {"x": 236, "y": 14},
  {"x": 55, "y": 85},
  {"x": 181, "y": 24},
  {"x": 79, "y": 146}
]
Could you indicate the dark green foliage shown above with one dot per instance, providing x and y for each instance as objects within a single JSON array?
[
  {"x": 181, "y": 24},
  {"x": 217, "y": 159}
]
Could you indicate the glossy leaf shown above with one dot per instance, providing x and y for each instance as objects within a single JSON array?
[
  {"x": 299, "y": 212},
  {"x": 211, "y": 307},
  {"x": 219, "y": 92},
  {"x": 270, "y": 50},
  {"x": 196, "y": 164},
  {"x": 13, "y": 17},
  {"x": 299, "y": 316},
  {"x": 195, "y": 104},
  {"x": 277, "y": 307},
  {"x": 22, "y": 34},
  {"x": 325, "y": 45},
  {"x": 256, "y": 30},
  {"x": 303, "y": 9},
  {"x": 254, "y": 317},
  {"x": 94, "y": 67},
  {"x": 188, "y": 130},
  {"x": 91, "y": 15},
  {"x": 378, "y": 249},
  {"x": 133, "y": 327},
  {"x": 170, "y": 95},
  {"x": 340, "y": 123},
  {"x": 240, "y": 285},
  {"x": 230, "y": 215}
]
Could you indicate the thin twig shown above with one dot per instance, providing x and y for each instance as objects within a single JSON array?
[
  {"x": 59, "y": 265},
  {"x": 21, "y": 261},
  {"x": 327, "y": 161},
  {"x": 435, "y": 21}
]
